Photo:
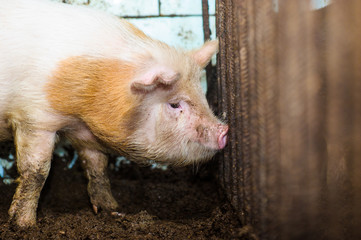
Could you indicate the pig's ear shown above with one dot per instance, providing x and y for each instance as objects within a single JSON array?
[
  {"x": 203, "y": 55},
  {"x": 153, "y": 78}
]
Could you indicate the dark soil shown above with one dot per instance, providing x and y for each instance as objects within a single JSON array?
[{"x": 172, "y": 204}]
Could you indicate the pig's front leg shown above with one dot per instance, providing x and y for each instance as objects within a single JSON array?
[
  {"x": 95, "y": 164},
  {"x": 34, "y": 150}
]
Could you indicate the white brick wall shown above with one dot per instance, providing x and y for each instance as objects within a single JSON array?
[
  {"x": 185, "y": 32},
  {"x": 187, "y": 7},
  {"x": 176, "y": 22}
]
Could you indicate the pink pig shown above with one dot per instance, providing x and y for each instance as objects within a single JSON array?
[{"x": 103, "y": 84}]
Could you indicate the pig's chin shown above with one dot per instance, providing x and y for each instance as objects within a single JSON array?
[
  {"x": 178, "y": 154},
  {"x": 195, "y": 152}
]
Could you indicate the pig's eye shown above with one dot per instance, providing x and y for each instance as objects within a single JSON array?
[{"x": 174, "y": 105}]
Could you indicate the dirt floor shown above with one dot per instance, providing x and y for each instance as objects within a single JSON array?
[{"x": 172, "y": 204}]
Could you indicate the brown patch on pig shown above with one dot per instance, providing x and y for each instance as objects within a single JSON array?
[{"x": 97, "y": 91}]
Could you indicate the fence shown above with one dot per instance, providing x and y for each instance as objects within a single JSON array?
[{"x": 289, "y": 85}]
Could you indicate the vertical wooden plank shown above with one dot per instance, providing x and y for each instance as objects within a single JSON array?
[
  {"x": 265, "y": 120},
  {"x": 338, "y": 121},
  {"x": 221, "y": 76},
  {"x": 231, "y": 102},
  {"x": 293, "y": 128},
  {"x": 355, "y": 166},
  {"x": 315, "y": 152},
  {"x": 248, "y": 86},
  {"x": 355, "y": 170},
  {"x": 343, "y": 127},
  {"x": 232, "y": 64}
]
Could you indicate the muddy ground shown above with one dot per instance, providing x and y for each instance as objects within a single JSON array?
[{"x": 178, "y": 203}]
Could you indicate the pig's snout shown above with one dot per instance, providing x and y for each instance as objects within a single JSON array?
[{"x": 222, "y": 137}]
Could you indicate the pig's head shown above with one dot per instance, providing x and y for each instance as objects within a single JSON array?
[{"x": 174, "y": 123}]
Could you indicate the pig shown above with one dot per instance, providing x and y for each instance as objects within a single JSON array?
[{"x": 100, "y": 82}]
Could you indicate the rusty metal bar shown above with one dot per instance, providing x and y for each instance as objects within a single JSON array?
[{"x": 210, "y": 70}]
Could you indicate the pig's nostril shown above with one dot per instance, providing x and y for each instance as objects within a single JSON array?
[
  {"x": 222, "y": 142},
  {"x": 222, "y": 138}
]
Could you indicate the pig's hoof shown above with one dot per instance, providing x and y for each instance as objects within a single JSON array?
[
  {"x": 23, "y": 221},
  {"x": 104, "y": 201},
  {"x": 109, "y": 207},
  {"x": 22, "y": 216},
  {"x": 113, "y": 213}
]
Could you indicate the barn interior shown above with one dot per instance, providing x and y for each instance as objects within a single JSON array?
[{"x": 287, "y": 80}]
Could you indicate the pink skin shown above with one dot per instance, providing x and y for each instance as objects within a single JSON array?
[
  {"x": 213, "y": 135},
  {"x": 222, "y": 137}
]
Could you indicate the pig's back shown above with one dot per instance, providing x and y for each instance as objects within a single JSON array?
[{"x": 35, "y": 35}]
